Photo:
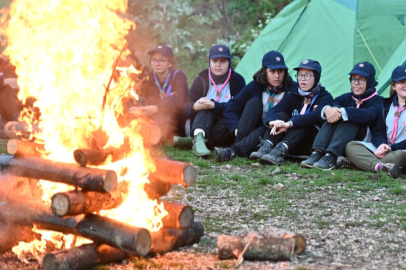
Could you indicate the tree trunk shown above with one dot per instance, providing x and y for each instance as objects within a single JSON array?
[
  {"x": 24, "y": 148},
  {"x": 71, "y": 174},
  {"x": 83, "y": 257},
  {"x": 79, "y": 202},
  {"x": 10, "y": 235},
  {"x": 156, "y": 189},
  {"x": 18, "y": 130},
  {"x": 180, "y": 216},
  {"x": 97, "y": 156},
  {"x": 300, "y": 241},
  {"x": 169, "y": 239},
  {"x": 260, "y": 249},
  {"x": 116, "y": 234},
  {"x": 174, "y": 172}
]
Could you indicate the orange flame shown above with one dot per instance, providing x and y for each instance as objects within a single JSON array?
[{"x": 64, "y": 51}]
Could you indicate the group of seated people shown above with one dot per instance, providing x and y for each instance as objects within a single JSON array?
[{"x": 274, "y": 117}]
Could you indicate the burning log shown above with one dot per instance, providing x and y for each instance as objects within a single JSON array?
[
  {"x": 24, "y": 148},
  {"x": 83, "y": 257},
  {"x": 96, "y": 156},
  {"x": 180, "y": 216},
  {"x": 174, "y": 172},
  {"x": 260, "y": 249},
  {"x": 79, "y": 202},
  {"x": 156, "y": 189},
  {"x": 116, "y": 234},
  {"x": 300, "y": 241},
  {"x": 11, "y": 235},
  {"x": 18, "y": 130},
  {"x": 85, "y": 178},
  {"x": 168, "y": 239}
]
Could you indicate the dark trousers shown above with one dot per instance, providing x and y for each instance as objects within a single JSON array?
[
  {"x": 215, "y": 128},
  {"x": 334, "y": 137}
]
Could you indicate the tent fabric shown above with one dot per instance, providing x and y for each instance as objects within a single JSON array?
[{"x": 337, "y": 33}]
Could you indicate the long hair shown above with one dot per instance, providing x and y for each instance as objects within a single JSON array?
[{"x": 261, "y": 78}]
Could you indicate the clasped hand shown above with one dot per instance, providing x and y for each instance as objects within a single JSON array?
[
  {"x": 382, "y": 150},
  {"x": 203, "y": 104},
  {"x": 278, "y": 126},
  {"x": 332, "y": 114}
]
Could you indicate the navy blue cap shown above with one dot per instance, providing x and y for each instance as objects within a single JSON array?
[
  {"x": 364, "y": 69},
  {"x": 309, "y": 64},
  {"x": 399, "y": 74},
  {"x": 219, "y": 51},
  {"x": 162, "y": 49},
  {"x": 274, "y": 60}
]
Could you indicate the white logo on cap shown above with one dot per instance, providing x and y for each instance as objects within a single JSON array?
[
  {"x": 159, "y": 47},
  {"x": 405, "y": 70},
  {"x": 305, "y": 61},
  {"x": 361, "y": 65},
  {"x": 220, "y": 49},
  {"x": 278, "y": 58}
]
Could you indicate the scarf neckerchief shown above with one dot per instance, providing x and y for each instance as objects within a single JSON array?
[
  {"x": 309, "y": 98},
  {"x": 398, "y": 112},
  {"x": 272, "y": 92},
  {"x": 162, "y": 92},
  {"x": 368, "y": 94},
  {"x": 215, "y": 84}
]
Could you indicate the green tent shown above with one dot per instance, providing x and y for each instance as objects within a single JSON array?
[{"x": 337, "y": 33}]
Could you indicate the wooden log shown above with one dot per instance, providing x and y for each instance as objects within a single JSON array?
[
  {"x": 167, "y": 239},
  {"x": 86, "y": 202},
  {"x": 10, "y": 235},
  {"x": 156, "y": 189},
  {"x": 116, "y": 234},
  {"x": 24, "y": 148},
  {"x": 259, "y": 249},
  {"x": 180, "y": 216},
  {"x": 71, "y": 174},
  {"x": 174, "y": 172},
  {"x": 83, "y": 257},
  {"x": 300, "y": 241},
  {"x": 18, "y": 130},
  {"x": 97, "y": 156}
]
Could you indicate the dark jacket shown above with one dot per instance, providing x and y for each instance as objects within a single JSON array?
[
  {"x": 200, "y": 87},
  {"x": 235, "y": 107},
  {"x": 379, "y": 135},
  {"x": 150, "y": 94},
  {"x": 294, "y": 101},
  {"x": 366, "y": 115}
]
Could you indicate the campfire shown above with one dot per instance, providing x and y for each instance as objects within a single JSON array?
[{"x": 100, "y": 183}]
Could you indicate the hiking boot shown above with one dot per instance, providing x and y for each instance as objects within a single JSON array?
[
  {"x": 265, "y": 147},
  {"x": 392, "y": 169},
  {"x": 277, "y": 155},
  {"x": 327, "y": 162},
  {"x": 223, "y": 154},
  {"x": 343, "y": 162},
  {"x": 314, "y": 157},
  {"x": 183, "y": 142},
  {"x": 199, "y": 147}
]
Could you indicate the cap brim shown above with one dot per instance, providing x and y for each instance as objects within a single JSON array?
[
  {"x": 156, "y": 51},
  {"x": 220, "y": 56},
  {"x": 399, "y": 79},
  {"x": 359, "y": 72},
  {"x": 277, "y": 67}
]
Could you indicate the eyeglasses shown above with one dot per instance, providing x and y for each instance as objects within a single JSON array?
[
  {"x": 305, "y": 77},
  {"x": 160, "y": 61},
  {"x": 358, "y": 81}
]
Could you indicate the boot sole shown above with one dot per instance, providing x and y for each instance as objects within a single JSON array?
[
  {"x": 201, "y": 154},
  {"x": 324, "y": 169},
  {"x": 254, "y": 158},
  {"x": 304, "y": 165}
]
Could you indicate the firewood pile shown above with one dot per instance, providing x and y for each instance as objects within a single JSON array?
[{"x": 96, "y": 189}]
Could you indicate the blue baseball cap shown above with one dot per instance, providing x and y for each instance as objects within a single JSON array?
[
  {"x": 399, "y": 74},
  {"x": 162, "y": 49},
  {"x": 274, "y": 60},
  {"x": 364, "y": 69},
  {"x": 309, "y": 64},
  {"x": 219, "y": 51}
]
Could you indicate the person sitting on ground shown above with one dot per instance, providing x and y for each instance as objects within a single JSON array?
[
  {"x": 348, "y": 118},
  {"x": 386, "y": 152},
  {"x": 210, "y": 92},
  {"x": 163, "y": 93},
  {"x": 244, "y": 115}
]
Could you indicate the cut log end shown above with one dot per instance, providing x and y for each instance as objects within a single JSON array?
[
  {"x": 143, "y": 242},
  {"x": 186, "y": 217},
  {"x": 11, "y": 147},
  {"x": 189, "y": 174},
  {"x": 300, "y": 244},
  {"x": 60, "y": 204},
  {"x": 110, "y": 181},
  {"x": 50, "y": 261},
  {"x": 80, "y": 157}
]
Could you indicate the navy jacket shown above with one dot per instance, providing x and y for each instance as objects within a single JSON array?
[
  {"x": 235, "y": 107},
  {"x": 200, "y": 87},
  {"x": 379, "y": 135},
  {"x": 366, "y": 115},
  {"x": 294, "y": 101}
]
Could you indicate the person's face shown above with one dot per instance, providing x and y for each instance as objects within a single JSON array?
[
  {"x": 160, "y": 63},
  {"x": 275, "y": 76},
  {"x": 358, "y": 84},
  {"x": 219, "y": 66},
  {"x": 400, "y": 88},
  {"x": 305, "y": 79}
]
